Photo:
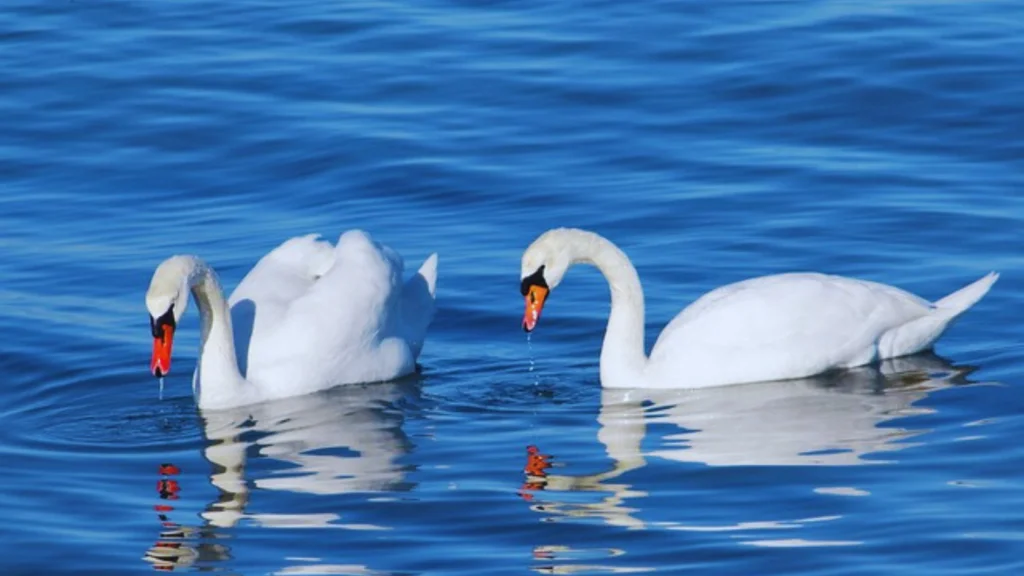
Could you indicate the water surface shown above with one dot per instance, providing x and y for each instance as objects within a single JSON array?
[{"x": 711, "y": 141}]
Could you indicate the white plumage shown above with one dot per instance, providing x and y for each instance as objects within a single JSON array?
[
  {"x": 308, "y": 316},
  {"x": 769, "y": 328}
]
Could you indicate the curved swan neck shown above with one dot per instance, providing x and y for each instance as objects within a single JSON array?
[
  {"x": 217, "y": 377},
  {"x": 622, "y": 353}
]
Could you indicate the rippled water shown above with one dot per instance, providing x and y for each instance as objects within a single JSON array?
[{"x": 711, "y": 141}]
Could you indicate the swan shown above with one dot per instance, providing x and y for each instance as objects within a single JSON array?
[
  {"x": 307, "y": 317},
  {"x": 776, "y": 327}
]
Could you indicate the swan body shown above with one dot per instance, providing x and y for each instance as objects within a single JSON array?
[
  {"x": 308, "y": 316},
  {"x": 775, "y": 327}
]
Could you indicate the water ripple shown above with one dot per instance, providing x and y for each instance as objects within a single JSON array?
[{"x": 711, "y": 141}]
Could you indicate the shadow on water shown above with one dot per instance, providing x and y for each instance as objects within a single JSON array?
[
  {"x": 839, "y": 419},
  {"x": 343, "y": 441}
]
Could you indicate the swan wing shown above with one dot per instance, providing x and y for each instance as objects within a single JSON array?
[
  {"x": 347, "y": 326},
  {"x": 260, "y": 302},
  {"x": 781, "y": 326},
  {"x": 283, "y": 275}
]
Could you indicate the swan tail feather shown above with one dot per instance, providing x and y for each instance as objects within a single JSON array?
[
  {"x": 960, "y": 301},
  {"x": 919, "y": 334},
  {"x": 428, "y": 270},
  {"x": 418, "y": 303}
]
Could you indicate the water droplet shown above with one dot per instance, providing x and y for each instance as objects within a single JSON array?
[
  {"x": 533, "y": 361},
  {"x": 529, "y": 347},
  {"x": 161, "y": 387}
]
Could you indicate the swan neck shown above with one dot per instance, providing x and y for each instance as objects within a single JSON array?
[
  {"x": 622, "y": 354},
  {"x": 217, "y": 376}
]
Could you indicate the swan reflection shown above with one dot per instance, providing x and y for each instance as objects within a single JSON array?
[
  {"x": 840, "y": 419},
  {"x": 342, "y": 441}
]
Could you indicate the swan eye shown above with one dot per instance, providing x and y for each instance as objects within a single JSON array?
[
  {"x": 165, "y": 319},
  {"x": 535, "y": 279}
]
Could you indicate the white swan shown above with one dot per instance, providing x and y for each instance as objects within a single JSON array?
[
  {"x": 769, "y": 328},
  {"x": 307, "y": 317}
]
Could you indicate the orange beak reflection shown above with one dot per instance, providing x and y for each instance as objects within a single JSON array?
[
  {"x": 534, "y": 304},
  {"x": 161, "y": 363}
]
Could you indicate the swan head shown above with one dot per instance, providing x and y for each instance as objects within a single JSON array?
[
  {"x": 166, "y": 301},
  {"x": 544, "y": 265}
]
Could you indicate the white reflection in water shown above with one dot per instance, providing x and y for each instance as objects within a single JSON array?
[
  {"x": 840, "y": 419},
  {"x": 833, "y": 420},
  {"x": 557, "y": 559},
  {"x": 346, "y": 440}
]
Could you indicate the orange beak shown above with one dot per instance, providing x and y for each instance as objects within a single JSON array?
[
  {"x": 161, "y": 363},
  {"x": 534, "y": 304}
]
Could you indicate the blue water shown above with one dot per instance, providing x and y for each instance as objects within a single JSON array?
[{"x": 713, "y": 141}]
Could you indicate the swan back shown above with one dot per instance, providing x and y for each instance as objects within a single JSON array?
[
  {"x": 782, "y": 326},
  {"x": 315, "y": 315}
]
